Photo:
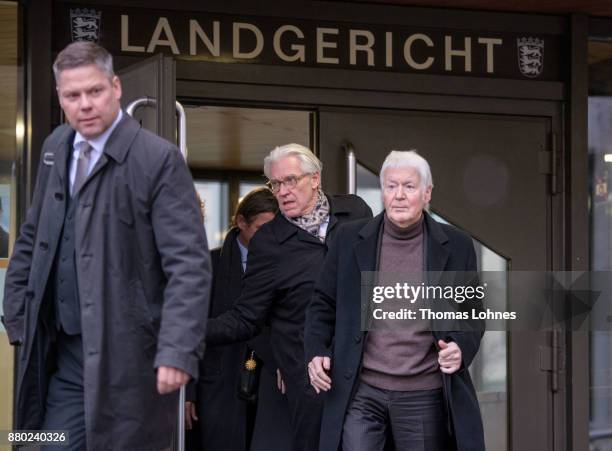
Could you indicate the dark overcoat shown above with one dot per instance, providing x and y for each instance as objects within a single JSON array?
[
  {"x": 222, "y": 414},
  {"x": 283, "y": 265},
  {"x": 333, "y": 325},
  {"x": 143, "y": 272}
]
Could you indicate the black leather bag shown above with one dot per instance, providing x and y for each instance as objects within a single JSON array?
[{"x": 248, "y": 383}]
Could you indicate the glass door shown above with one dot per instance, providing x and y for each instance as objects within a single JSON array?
[
  {"x": 226, "y": 148},
  {"x": 488, "y": 181}
]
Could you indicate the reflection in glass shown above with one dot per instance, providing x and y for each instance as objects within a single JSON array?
[
  {"x": 489, "y": 368},
  {"x": 246, "y": 187},
  {"x": 368, "y": 188},
  {"x": 12, "y": 133},
  {"x": 600, "y": 205},
  {"x": 215, "y": 196}
]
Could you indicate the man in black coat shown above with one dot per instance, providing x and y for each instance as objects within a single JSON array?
[
  {"x": 108, "y": 285},
  {"x": 237, "y": 429},
  {"x": 284, "y": 262},
  {"x": 412, "y": 383}
]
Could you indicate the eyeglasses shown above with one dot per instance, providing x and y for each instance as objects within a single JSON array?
[{"x": 290, "y": 182}]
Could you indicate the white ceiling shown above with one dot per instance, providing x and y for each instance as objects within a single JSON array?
[{"x": 240, "y": 138}]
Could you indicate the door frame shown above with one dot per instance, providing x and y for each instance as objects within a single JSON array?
[{"x": 245, "y": 90}]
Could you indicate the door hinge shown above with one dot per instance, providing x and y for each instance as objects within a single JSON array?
[
  {"x": 552, "y": 360},
  {"x": 548, "y": 162}
]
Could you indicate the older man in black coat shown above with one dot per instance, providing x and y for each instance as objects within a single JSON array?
[
  {"x": 110, "y": 275},
  {"x": 285, "y": 259},
  {"x": 410, "y": 384}
]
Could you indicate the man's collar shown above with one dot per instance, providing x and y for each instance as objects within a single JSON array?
[{"x": 98, "y": 142}]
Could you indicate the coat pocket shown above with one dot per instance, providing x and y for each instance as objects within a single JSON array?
[{"x": 141, "y": 318}]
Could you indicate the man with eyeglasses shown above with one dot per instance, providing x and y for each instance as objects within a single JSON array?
[{"x": 284, "y": 261}]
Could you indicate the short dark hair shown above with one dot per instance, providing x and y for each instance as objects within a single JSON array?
[
  {"x": 83, "y": 53},
  {"x": 260, "y": 200}
]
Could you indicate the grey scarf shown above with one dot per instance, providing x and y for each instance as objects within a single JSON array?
[{"x": 311, "y": 222}]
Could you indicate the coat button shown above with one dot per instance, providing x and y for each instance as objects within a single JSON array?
[
  {"x": 358, "y": 338},
  {"x": 44, "y": 245},
  {"x": 61, "y": 299},
  {"x": 59, "y": 197},
  {"x": 348, "y": 374}
]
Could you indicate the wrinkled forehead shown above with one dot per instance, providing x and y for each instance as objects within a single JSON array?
[
  {"x": 285, "y": 166},
  {"x": 402, "y": 174}
]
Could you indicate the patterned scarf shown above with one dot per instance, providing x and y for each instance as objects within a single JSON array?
[{"x": 312, "y": 221}]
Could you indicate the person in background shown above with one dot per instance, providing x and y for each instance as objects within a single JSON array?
[
  {"x": 285, "y": 259},
  {"x": 220, "y": 418}
]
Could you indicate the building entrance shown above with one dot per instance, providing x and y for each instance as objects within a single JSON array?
[{"x": 496, "y": 169}]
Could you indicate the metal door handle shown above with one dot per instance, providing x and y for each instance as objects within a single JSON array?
[
  {"x": 180, "y": 111},
  {"x": 351, "y": 168},
  {"x": 182, "y": 144}
]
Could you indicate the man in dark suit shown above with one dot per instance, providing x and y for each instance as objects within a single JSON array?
[
  {"x": 110, "y": 276},
  {"x": 257, "y": 422},
  {"x": 285, "y": 259},
  {"x": 412, "y": 383}
]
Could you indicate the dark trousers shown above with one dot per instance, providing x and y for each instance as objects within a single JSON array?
[
  {"x": 415, "y": 420},
  {"x": 305, "y": 408},
  {"x": 64, "y": 406},
  {"x": 272, "y": 429}
]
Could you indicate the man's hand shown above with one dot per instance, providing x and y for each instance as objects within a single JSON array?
[
  {"x": 170, "y": 379},
  {"x": 449, "y": 356},
  {"x": 280, "y": 383},
  {"x": 317, "y": 370},
  {"x": 190, "y": 414}
]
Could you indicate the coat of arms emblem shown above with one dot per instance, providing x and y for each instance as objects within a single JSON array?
[
  {"x": 85, "y": 24},
  {"x": 530, "y": 56}
]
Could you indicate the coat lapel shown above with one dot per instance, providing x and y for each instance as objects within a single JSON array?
[
  {"x": 283, "y": 230},
  {"x": 336, "y": 209},
  {"x": 437, "y": 250},
  {"x": 366, "y": 248},
  {"x": 57, "y": 184},
  {"x": 117, "y": 146},
  {"x": 62, "y": 156}
]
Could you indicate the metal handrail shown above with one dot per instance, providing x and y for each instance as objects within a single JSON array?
[
  {"x": 182, "y": 145},
  {"x": 180, "y": 111},
  {"x": 351, "y": 168},
  {"x": 182, "y": 128}
]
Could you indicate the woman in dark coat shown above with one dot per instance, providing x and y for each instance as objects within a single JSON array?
[{"x": 224, "y": 420}]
